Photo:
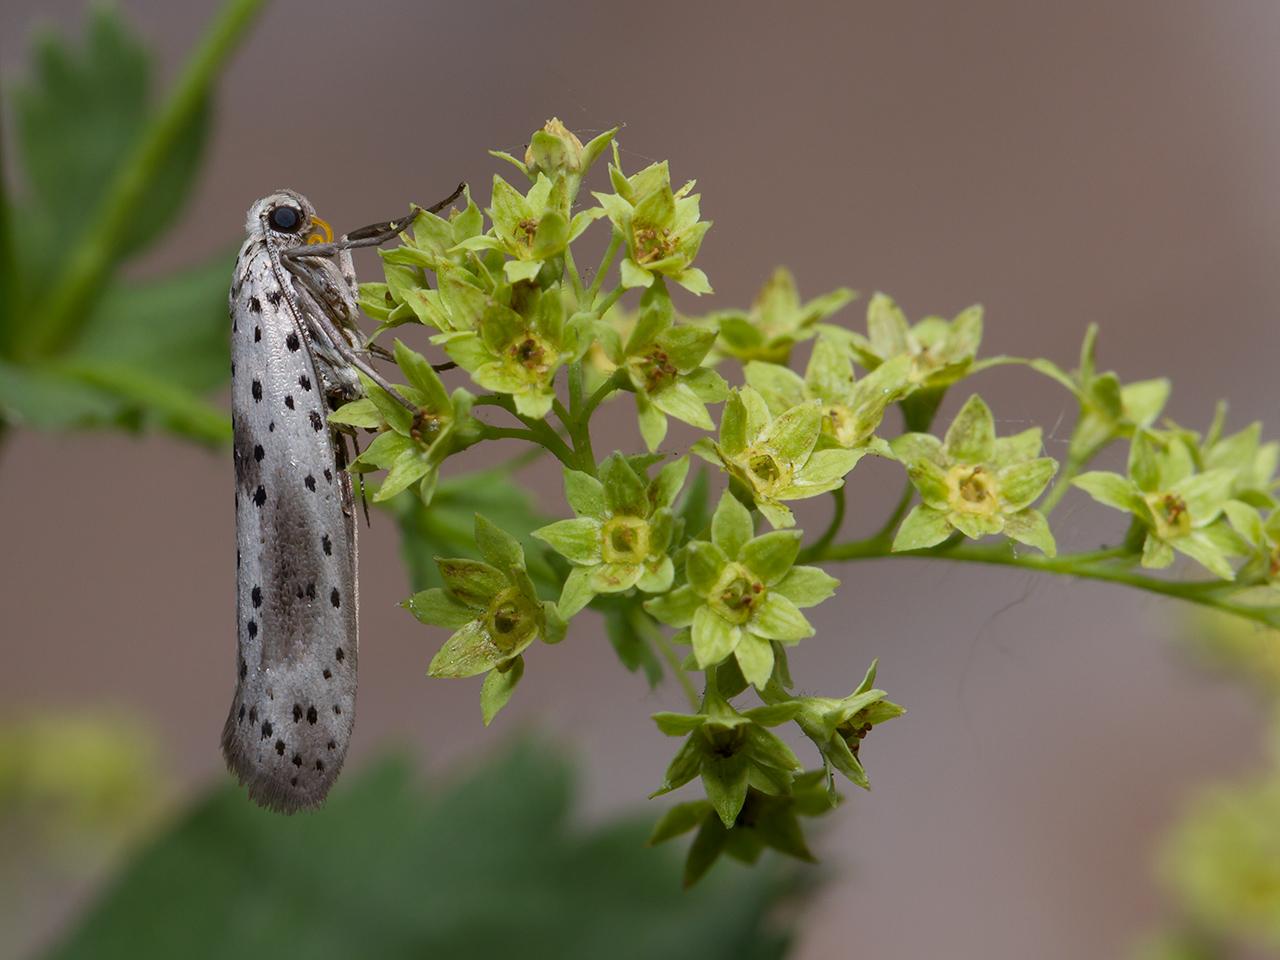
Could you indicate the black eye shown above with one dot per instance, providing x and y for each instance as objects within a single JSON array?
[{"x": 286, "y": 219}]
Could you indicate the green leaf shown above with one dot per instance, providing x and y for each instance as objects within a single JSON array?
[
  {"x": 806, "y": 586},
  {"x": 731, "y": 525},
  {"x": 173, "y": 329},
  {"x": 225, "y": 879},
  {"x": 585, "y": 494},
  {"x": 1030, "y": 527},
  {"x": 755, "y": 659},
  {"x": 704, "y": 562},
  {"x": 923, "y": 527},
  {"x": 79, "y": 119},
  {"x": 972, "y": 435},
  {"x": 680, "y": 819},
  {"x": 713, "y": 637},
  {"x": 1110, "y": 489},
  {"x": 577, "y": 540},
  {"x": 436, "y": 607},
  {"x": 496, "y": 545},
  {"x": 770, "y": 555},
  {"x": 725, "y": 780},
  {"x": 497, "y": 689},
  {"x": 777, "y": 618}
]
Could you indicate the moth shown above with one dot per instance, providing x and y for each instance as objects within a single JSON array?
[{"x": 295, "y": 352}]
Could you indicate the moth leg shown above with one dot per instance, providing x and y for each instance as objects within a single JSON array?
[{"x": 373, "y": 235}]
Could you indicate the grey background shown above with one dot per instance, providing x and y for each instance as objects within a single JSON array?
[{"x": 1060, "y": 163}]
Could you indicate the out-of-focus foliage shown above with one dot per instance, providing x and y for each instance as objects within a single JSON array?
[
  {"x": 75, "y": 791},
  {"x": 1221, "y": 860},
  {"x": 107, "y": 170},
  {"x": 491, "y": 867}
]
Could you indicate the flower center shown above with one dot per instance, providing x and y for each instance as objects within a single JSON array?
[
  {"x": 973, "y": 490},
  {"x": 426, "y": 427},
  {"x": 656, "y": 370},
  {"x": 1170, "y": 510},
  {"x": 510, "y": 619},
  {"x": 525, "y": 231},
  {"x": 839, "y": 422},
  {"x": 765, "y": 471},
  {"x": 651, "y": 243},
  {"x": 625, "y": 540},
  {"x": 724, "y": 742},
  {"x": 528, "y": 356},
  {"x": 737, "y": 594}
]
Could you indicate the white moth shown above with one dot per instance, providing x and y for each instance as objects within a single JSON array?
[{"x": 295, "y": 349}]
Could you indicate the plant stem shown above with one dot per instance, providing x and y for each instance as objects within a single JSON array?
[
  {"x": 611, "y": 251},
  {"x": 833, "y": 528},
  {"x": 1061, "y": 485},
  {"x": 899, "y": 511},
  {"x": 538, "y": 430},
  {"x": 609, "y": 386},
  {"x": 92, "y": 260},
  {"x": 610, "y": 299},
  {"x": 571, "y": 267},
  {"x": 580, "y": 423},
  {"x": 10, "y": 295},
  {"x": 1092, "y": 565}
]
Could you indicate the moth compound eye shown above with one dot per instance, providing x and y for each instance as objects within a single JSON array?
[{"x": 285, "y": 219}]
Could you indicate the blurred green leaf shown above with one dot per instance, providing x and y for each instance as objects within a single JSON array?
[
  {"x": 447, "y": 527},
  {"x": 173, "y": 328},
  {"x": 108, "y": 168},
  {"x": 78, "y": 119},
  {"x": 489, "y": 868}
]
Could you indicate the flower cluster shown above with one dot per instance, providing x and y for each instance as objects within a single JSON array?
[{"x": 546, "y": 345}]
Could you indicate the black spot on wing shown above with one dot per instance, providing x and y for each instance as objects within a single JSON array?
[
  {"x": 255, "y": 305},
  {"x": 291, "y": 341},
  {"x": 317, "y": 421}
]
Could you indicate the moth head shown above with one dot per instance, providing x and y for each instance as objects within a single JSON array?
[{"x": 289, "y": 218}]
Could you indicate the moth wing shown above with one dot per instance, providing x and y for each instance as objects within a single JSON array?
[{"x": 296, "y": 601}]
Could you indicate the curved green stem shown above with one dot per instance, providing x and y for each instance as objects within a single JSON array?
[
  {"x": 1070, "y": 470},
  {"x": 611, "y": 251},
  {"x": 833, "y": 528},
  {"x": 610, "y": 299},
  {"x": 91, "y": 262},
  {"x": 1093, "y": 565},
  {"x": 538, "y": 431}
]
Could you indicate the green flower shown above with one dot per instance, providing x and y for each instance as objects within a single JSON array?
[
  {"x": 620, "y": 537},
  {"x": 941, "y": 351},
  {"x": 1263, "y": 539},
  {"x": 412, "y": 444},
  {"x": 1180, "y": 508},
  {"x": 494, "y": 612},
  {"x": 661, "y": 229},
  {"x": 776, "y": 322},
  {"x": 851, "y": 410},
  {"x": 513, "y": 342},
  {"x": 431, "y": 244},
  {"x": 743, "y": 595},
  {"x": 765, "y": 821},
  {"x": 975, "y": 483},
  {"x": 555, "y": 150},
  {"x": 532, "y": 228},
  {"x": 730, "y": 751},
  {"x": 1252, "y": 462},
  {"x": 776, "y": 458},
  {"x": 1108, "y": 409},
  {"x": 838, "y": 727},
  {"x": 663, "y": 366}
]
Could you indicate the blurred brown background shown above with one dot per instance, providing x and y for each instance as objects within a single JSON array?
[{"x": 1060, "y": 163}]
